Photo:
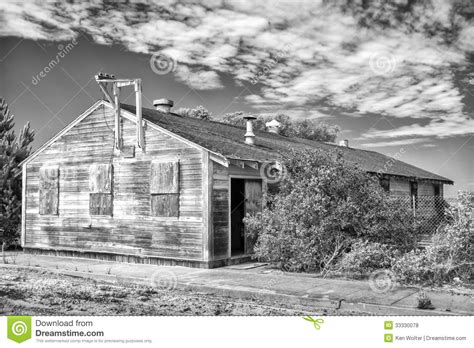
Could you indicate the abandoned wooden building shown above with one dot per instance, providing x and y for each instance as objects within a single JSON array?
[{"x": 171, "y": 191}]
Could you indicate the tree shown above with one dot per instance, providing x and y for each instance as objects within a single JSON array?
[
  {"x": 13, "y": 150},
  {"x": 307, "y": 129},
  {"x": 197, "y": 112},
  {"x": 321, "y": 206},
  {"x": 237, "y": 119}
]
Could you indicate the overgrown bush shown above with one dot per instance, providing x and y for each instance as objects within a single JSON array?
[
  {"x": 415, "y": 267},
  {"x": 450, "y": 253},
  {"x": 320, "y": 207},
  {"x": 364, "y": 258}
]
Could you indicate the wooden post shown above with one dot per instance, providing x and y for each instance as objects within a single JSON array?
[
  {"x": 118, "y": 130},
  {"x": 208, "y": 226},
  {"x": 138, "y": 103}
]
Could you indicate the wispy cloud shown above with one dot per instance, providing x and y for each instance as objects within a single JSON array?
[
  {"x": 391, "y": 58},
  {"x": 395, "y": 143},
  {"x": 442, "y": 126}
]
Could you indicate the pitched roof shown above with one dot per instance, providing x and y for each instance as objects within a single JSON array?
[{"x": 228, "y": 140}]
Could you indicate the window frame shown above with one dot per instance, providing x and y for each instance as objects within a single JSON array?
[
  {"x": 165, "y": 188},
  {"x": 101, "y": 188},
  {"x": 45, "y": 177}
]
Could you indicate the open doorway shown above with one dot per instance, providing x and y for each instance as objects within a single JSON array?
[
  {"x": 245, "y": 198},
  {"x": 237, "y": 213}
]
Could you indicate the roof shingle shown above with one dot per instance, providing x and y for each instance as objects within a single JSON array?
[{"x": 228, "y": 140}]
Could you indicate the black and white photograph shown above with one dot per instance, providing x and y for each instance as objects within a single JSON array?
[{"x": 224, "y": 161}]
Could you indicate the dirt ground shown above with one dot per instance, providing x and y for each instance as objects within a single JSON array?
[{"x": 36, "y": 292}]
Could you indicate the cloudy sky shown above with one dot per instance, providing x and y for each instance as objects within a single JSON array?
[{"x": 393, "y": 75}]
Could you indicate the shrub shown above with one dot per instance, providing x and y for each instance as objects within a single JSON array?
[
  {"x": 414, "y": 267},
  {"x": 449, "y": 255},
  {"x": 424, "y": 302},
  {"x": 197, "y": 112},
  {"x": 319, "y": 208},
  {"x": 364, "y": 258}
]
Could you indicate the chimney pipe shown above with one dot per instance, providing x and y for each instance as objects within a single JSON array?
[
  {"x": 344, "y": 143},
  {"x": 163, "y": 105},
  {"x": 250, "y": 135},
  {"x": 273, "y": 126}
]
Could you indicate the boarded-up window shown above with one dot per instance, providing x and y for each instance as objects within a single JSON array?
[
  {"x": 100, "y": 178},
  {"x": 100, "y": 204},
  {"x": 100, "y": 188},
  {"x": 49, "y": 190},
  {"x": 164, "y": 189}
]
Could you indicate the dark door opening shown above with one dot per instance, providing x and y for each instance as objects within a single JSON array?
[
  {"x": 237, "y": 213},
  {"x": 245, "y": 198}
]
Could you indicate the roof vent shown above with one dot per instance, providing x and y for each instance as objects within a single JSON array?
[
  {"x": 273, "y": 126},
  {"x": 344, "y": 143},
  {"x": 163, "y": 105},
  {"x": 250, "y": 135}
]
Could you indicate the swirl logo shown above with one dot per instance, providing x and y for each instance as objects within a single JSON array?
[
  {"x": 382, "y": 63},
  {"x": 162, "y": 64},
  {"x": 52, "y": 172},
  {"x": 164, "y": 279},
  {"x": 49, "y": 173},
  {"x": 382, "y": 281},
  {"x": 19, "y": 328},
  {"x": 67, "y": 173},
  {"x": 273, "y": 171}
]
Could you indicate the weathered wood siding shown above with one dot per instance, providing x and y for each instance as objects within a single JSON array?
[
  {"x": 131, "y": 229},
  {"x": 425, "y": 189},
  {"x": 399, "y": 186},
  {"x": 220, "y": 211}
]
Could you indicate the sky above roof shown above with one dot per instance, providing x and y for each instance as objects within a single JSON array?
[{"x": 393, "y": 75}]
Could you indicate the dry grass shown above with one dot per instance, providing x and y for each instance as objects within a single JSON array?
[{"x": 35, "y": 292}]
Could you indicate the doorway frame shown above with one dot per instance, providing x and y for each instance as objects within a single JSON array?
[{"x": 229, "y": 202}]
